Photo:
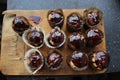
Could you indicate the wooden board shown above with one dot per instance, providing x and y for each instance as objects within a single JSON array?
[{"x": 13, "y": 48}]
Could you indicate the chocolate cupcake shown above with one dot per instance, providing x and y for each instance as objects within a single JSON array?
[
  {"x": 76, "y": 41},
  {"x": 94, "y": 37},
  {"x": 55, "y": 18},
  {"x": 56, "y": 38},
  {"x": 74, "y": 22},
  {"x": 99, "y": 60},
  {"x": 78, "y": 61},
  {"x": 54, "y": 59},
  {"x": 20, "y": 24},
  {"x": 33, "y": 61},
  {"x": 93, "y": 16},
  {"x": 34, "y": 37}
]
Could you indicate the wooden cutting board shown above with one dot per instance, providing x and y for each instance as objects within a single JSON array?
[{"x": 13, "y": 48}]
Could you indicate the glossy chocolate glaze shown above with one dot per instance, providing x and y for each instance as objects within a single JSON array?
[
  {"x": 74, "y": 22},
  {"x": 35, "y": 60},
  {"x": 101, "y": 59},
  {"x": 54, "y": 59},
  {"x": 79, "y": 59},
  {"x": 55, "y": 18},
  {"x": 94, "y": 36},
  {"x": 20, "y": 24},
  {"x": 56, "y": 38},
  {"x": 92, "y": 18},
  {"x": 35, "y": 38},
  {"x": 76, "y": 41}
]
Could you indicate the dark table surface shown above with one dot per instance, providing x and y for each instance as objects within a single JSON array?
[{"x": 110, "y": 8}]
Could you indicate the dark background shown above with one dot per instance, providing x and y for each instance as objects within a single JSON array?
[{"x": 111, "y": 10}]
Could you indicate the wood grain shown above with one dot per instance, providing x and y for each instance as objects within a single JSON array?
[{"x": 13, "y": 48}]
